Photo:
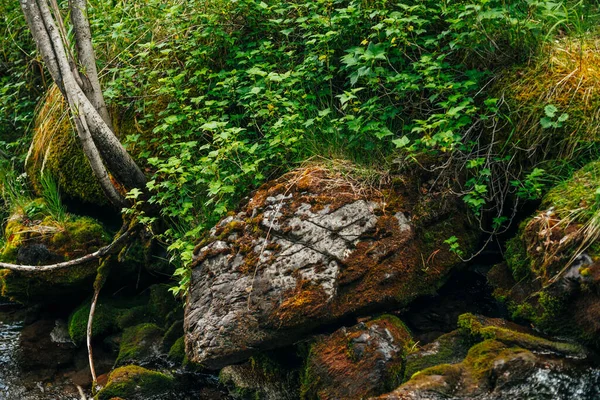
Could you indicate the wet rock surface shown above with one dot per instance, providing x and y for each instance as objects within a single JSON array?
[
  {"x": 307, "y": 250},
  {"x": 495, "y": 371},
  {"x": 261, "y": 378},
  {"x": 39, "y": 362}
]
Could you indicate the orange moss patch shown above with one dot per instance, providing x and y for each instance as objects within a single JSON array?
[
  {"x": 348, "y": 365},
  {"x": 305, "y": 301},
  {"x": 333, "y": 189}
]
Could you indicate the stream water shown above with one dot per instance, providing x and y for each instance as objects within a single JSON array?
[
  {"x": 31, "y": 382},
  {"x": 9, "y": 335}
]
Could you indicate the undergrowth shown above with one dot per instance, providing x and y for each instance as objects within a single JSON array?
[{"x": 218, "y": 96}]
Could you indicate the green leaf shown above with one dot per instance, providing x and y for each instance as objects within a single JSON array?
[
  {"x": 172, "y": 119},
  {"x": 550, "y": 110},
  {"x": 402, "y": 142},
  {"x": 546, "y": 123},
  {"x": 256, "y": 71}
]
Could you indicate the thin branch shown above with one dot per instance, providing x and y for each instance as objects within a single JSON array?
[
  {"x": 67, "y": 264},
  {"x": 89, "y": 333}
]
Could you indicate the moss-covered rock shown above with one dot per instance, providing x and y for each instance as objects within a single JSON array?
[
  {"x": 105, "y": 317},
  {"x": 177, "y": 351},
  {"x": 133, "y": 382},
  {"x": 312, "y": 248},
  {"x": 483, "y": 328},
  {"x": 358, "y": 362},
  {"x": 501, "y": 356},
  {"x": 450, "y": 348},
  {"x": 45, "y": 241},
  {"x": 113, "y": 314},
  {"x": 551, "y": 276},
  {"x": 153, "y": 307},
  {"x": 140, "y": 344},
  {"x": 173, "y": 333}
]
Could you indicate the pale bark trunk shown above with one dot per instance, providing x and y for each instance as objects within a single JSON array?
[
  {"x": 87, "y": 58},
  {"x": 102, "y": 148}
]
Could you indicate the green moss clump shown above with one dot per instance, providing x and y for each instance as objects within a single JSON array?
[
  {"x": 523, "y": 311},
  {"x": 134, "y": 316},
  {"x": 174, "y": 332},
  {"x": 56, "y": 148},
  {"x": 104, "y": 322},
  {"x": 447, "y": 349},
  {"x": 578, "y": 192},
  {"x": 177, "y": 351},
  {"x": 490, "y": 329},
  {"x": 517, "y": 259},
  {"x": 139, "y": 343},
  {"x": 481, "y": 357},
  {"x": 132, "y": 381}
]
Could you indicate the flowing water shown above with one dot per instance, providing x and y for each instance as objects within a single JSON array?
[
  {"x": 22, "y": 383},
  {"x": 16, "y": 383},
  {"x": 9, "y": 382}
]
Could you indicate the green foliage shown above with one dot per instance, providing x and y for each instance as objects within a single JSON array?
[
  {"x": 15, "y": 193},
  {"x": 452, "y": 242},
  {"x": 552, "y": 119},
  {"x": 21, "y": 76},
  {"x": 51, "y": 195},
  {"x": 532, "y": 186},
  {"x": 232, "y": 92},
  {"x": 219, "y": 96}
]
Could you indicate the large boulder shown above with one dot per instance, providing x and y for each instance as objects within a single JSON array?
[{"x": 312, "y": 248}]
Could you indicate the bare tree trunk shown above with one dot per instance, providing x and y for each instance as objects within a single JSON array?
[
  {"x": 102, "y": 148},
  {"x": 87, "y": 58}
]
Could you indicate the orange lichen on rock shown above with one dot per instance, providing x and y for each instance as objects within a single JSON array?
[{"x": 357, "y": 362}]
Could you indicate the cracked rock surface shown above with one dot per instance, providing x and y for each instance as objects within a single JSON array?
[{"x": 310, "y": 249}]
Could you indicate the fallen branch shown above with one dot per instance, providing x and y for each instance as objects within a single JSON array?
[
  {"x": 89, "y": 332},
  {"x": 89, "y": 257}
]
